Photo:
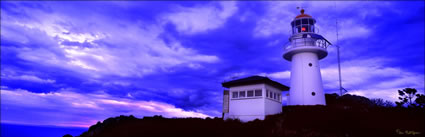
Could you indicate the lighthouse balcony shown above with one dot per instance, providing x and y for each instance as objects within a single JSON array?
[
  {"x": 308, "y": 39},
  {"x": 309, "y": 42},
  {"x": 304, "y": 42}
]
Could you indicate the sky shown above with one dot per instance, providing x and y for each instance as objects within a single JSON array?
[{"x": 71, "y": 64}]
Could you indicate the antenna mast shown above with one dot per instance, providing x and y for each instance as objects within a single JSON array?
[{"x": 337, "y": 51}]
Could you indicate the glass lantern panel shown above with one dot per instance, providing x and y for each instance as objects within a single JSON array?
[
  {"x": 310, "y": 21},
  {"x": 304, "y": 28},
  {"x": 297, "y": 22},
  {"x": 304, "y": 21}
]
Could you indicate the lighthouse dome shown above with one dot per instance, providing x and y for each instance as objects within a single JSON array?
[{"x": 302, "y": 15}]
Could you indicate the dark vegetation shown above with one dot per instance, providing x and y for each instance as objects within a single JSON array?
[
  {"x": 343, "y": 116},
  {"x": 407, "y": 97}
]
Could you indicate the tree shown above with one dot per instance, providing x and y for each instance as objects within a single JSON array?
[
  {"x": 378, "y": 102},
  {"x": 407, "y": 96},
  {"x": 420, "y": 100}
]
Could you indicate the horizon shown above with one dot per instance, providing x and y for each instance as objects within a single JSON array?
[{"x": 75, "y": 64}]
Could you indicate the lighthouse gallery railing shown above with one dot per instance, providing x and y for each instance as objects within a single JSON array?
[{"x": 307, "y": 42}]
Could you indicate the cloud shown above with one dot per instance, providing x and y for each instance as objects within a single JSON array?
[
  {"x": 68, "y": 108},
  {"x": 357, "y": 29},
  {"x": 371, "y": 73},
  {"x": 374, "y": 81},
  {"x": 351, "y": 23},
  {"x": 28, "y": 78},
  {"x": 389, "y": 94},
  {"x": 102, "y": 46},
  {"x": 276, "y": 20},
  {"x": 235, "y": 75},
  {"x": 280, "y": 75},
  {"x": 192, "y": 20}
]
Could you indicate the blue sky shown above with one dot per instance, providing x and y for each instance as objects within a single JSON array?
[{"x": 67, "y": 63}]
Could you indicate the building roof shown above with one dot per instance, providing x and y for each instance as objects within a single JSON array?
[
  {"x": 254, "y": 80},
  {"x": 302, "y": 15}
]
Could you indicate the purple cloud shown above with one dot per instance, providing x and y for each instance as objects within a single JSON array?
[{"x": 72, "y": 109}]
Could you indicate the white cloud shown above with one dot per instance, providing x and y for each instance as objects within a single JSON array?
[
  {"x": 277, "y": 75},
  {"x": 280, "y": 14},
  {"x": 280, "y": 75},
  {"x": 371, "y": 78},
  {"x": 277, "y": 19},
  {"x": 357, "y": 29},
  {"x": 137, "y": 49},
  {"x": 24, "y": 77},
  {"x": 76, "y": 109},
  {"x": 362, "y": 72},
  {"x": 191, "y": 20},
  {"x": 389, "y": 94}
]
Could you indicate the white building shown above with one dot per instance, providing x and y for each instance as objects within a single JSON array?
[
  {"x": 252, "y": 98},
  {"x": 305, "y": 50}
]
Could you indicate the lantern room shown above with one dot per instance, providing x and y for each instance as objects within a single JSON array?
[{"x": 303, "y": 23}]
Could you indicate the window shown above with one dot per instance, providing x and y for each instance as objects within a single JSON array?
[
  {"x": 278, "y": 97},
  {"x": 250, "y": 93},
  {"x": 309, "y": 64},
  {"x": 258, "y": 92},
  {"x": 297, "y": 22},
  {"x": 267, "y": 93},
  {"x": 302, "y": 25},
  {"x": 274, "y": 96},
  {"x": 235, "y": 94},
  {"x": 304, "y": 21},
  {"x": 241, "y": 94},
  {"x": 271, "y": 94},
  {"x": 305, "y": 28},
  {"x": 313, "y": 93},
  {"x": 310, "y": 21}
]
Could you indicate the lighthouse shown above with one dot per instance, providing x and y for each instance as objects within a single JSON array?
[{"x": 304, "y": 51}]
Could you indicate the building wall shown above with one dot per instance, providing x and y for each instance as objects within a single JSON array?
[
  {"x": 272, "y": 106},
  {"x": 247, "y": 109},
  {"x": 306, "y": 80}
]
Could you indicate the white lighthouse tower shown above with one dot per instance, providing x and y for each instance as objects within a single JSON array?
[{"x": 305, "y": 50}]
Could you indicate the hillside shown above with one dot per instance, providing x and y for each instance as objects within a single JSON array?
[{"x": 355, "y": 116}]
